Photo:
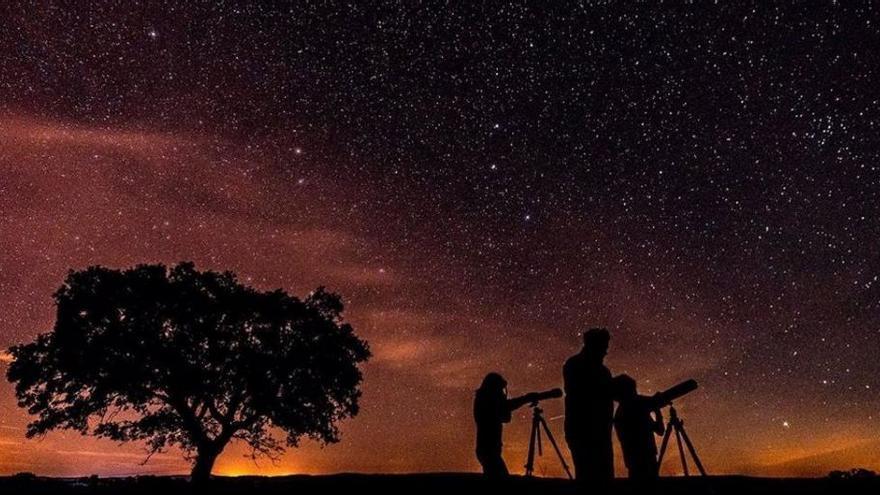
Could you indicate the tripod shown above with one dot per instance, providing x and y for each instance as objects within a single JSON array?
[
  {"x": 539, "y": 423},
  {"x": 676, "y": 425}
]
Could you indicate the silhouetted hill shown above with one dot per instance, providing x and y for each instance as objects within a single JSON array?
[
  {"x": 425, "y": 484},
  {"x": 866, "y": 454}
]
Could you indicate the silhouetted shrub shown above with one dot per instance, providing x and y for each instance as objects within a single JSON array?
[{"x": 855, "y": 473}]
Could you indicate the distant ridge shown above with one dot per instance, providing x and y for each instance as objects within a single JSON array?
[{"x": 864, "y": 455}]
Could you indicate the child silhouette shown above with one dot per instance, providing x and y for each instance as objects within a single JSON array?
[{"x": 636, "y": 427}]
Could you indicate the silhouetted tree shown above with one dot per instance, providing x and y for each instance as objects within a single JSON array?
[{"x": 192, "y": 359}]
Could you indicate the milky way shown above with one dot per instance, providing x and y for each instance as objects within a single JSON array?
[{"x": 480, "y": 184}]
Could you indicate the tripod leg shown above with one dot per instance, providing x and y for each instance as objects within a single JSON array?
[
  {"x": 665, "y": 443},
  {"x": 556, "y": 448},
  {"x": 684, "y": 463},
  {"x": 540, "y": 440},
  {"x": 693, "y": 451},
  {"x": 530, "y": 460}
]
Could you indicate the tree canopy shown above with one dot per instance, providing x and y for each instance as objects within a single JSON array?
[{"x": 181, "y": 357}]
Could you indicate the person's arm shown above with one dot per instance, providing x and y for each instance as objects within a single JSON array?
[
  {"x": 567, "y": 378},
  {"x": 659, "y": 428}
]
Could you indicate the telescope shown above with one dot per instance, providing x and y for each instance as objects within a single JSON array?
[
  {"x": 553, "y": 393},
  {"x": 665, "y": 398}
]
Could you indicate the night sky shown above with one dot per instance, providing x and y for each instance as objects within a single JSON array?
[{"x": 481, "y": 184}]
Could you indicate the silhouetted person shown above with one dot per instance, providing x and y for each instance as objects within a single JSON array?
[
  {"x": 492, "y": 409},
  {"x": 636, "y": 427},
  {"x": 589, "y": 410}
]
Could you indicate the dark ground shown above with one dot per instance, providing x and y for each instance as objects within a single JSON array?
[{"x": 423, "y": 484}]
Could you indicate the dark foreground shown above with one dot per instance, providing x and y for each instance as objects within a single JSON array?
[{"x": 426, "y": 484}]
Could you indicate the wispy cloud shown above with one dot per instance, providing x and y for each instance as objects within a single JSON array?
[{"x": 111, "y": 455}]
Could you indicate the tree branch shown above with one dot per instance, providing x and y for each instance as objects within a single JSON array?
[{"x": 190, "y": 421}]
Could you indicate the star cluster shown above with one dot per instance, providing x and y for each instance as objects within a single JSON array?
[{"x": 481, "y": 183}]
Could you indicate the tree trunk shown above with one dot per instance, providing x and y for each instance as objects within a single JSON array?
[{"x": 205, "y": 457}]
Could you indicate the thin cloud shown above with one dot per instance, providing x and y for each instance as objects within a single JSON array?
[{"x": 93, "y": 453}]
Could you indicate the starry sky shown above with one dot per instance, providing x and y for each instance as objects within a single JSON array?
[{"x": 481, "y": 183}]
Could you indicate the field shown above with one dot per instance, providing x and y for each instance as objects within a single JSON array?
[{"x": 425, "y": 484}]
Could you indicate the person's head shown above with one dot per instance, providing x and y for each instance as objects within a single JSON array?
[
  {"x": 596, "y": 342},
  {"x": 493, "y": 383},
  {"x": 624, "y": 387}
]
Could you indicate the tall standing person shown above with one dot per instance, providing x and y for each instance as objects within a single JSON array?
[{"x": 589, "y": 410}]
